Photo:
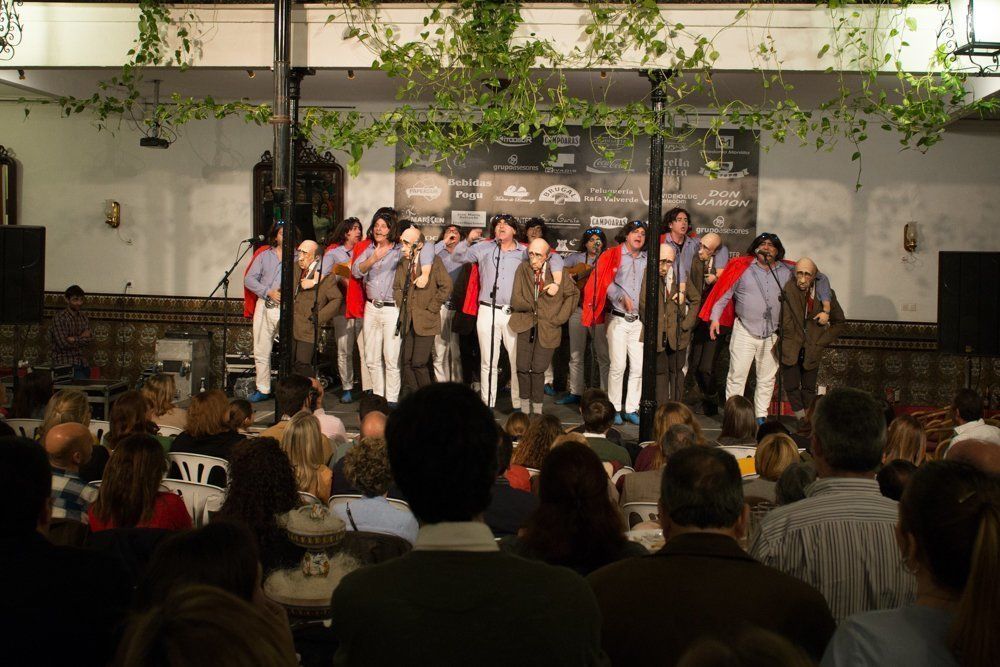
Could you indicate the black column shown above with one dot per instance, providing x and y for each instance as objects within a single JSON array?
[{"x": 282, "y": 182}]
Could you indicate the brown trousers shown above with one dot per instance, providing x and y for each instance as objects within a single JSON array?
[
  {"x": 532, "y": 360},
  {"x": 415, "y": 362}
]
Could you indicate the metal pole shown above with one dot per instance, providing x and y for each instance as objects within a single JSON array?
[
  {"x": 282, "y": 183},
  {"x": 647, "y": 404}
]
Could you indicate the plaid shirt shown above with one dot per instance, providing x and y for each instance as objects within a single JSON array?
[
  {"x": 68, "y": 324},
  {"x": 70, "y": 496}
]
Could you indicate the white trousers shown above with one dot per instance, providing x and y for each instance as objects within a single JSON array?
[
  {"x": 744, "y": 350},
  {"x": 265, "y": 324},
  {"x": 366, "y": 377},
  {"x": 447, "y": 355},
  {"x": 624, "y": 345},
  {"x": 382, "y": 347},
  {"x": 485, "y": 322},
  {"x": 577, "y": 352},
  {"x": 346, "y": 332}
]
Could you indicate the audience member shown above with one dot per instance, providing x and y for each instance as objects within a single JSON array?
[
  {"x": 69, "y": 446},
  {"x": 840, "y": 538},
  {"x": 905, "y": 440},
  {"x": 893, "y": 478},
  {"x": 794, "y": 481},
  {"x": 752, "y": 647},
  {"x": 535, "y": 444},
  {"x": 774, "y": 453},
  {"x": 31, "y": 396},
  {"x": 668, "y": 414},
  {"x": 208, "y": 432},
  {"x": 588, "y": 397},
  {"x": 292, "y": 394},
  {"x": 4, "y": 412},
  {"x": 331, "y": 426},
  {"x": 372, "y": 403},
  {"x": 509, "y": 507},
  {"x": 701, "y": 583},
  {"x": 204, "y": 626},
  {"x": 489, "y": 607},
  {"x": 577, "y": 438},
  {"x": 240, "y": 416},
  {"x": 130, "y": 496},
  {"x": 70, "y": 406},
  {"x": 6, "y": 430},
  {"x": 61, "y": 605},
  {"x": 367, "y": 469},
  {"x": 967, "y": 411},
  {"x": 262, "y": 486},
  {"x": 516, "y": 425},
  {"x": 644, "y": 487},
  {"x": 739, "y": 426},
  {"x": 130, "y": 415},
  {"x": 597, "y": 420},
  {"x": 160, "y": 390},
  {"x": 372, "y": 425},
  {"x": 949, "y": 537},
  {"x": 980, "y": 454},
  {"x": 770, "y": 427},
  {"x": 308, "y": 450},
  {"x": 575, "y": 525}
]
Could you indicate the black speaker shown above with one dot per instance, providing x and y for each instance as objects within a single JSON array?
[
  {"x": 969, "y": 303},
  {"x": 22, "y": 274}
]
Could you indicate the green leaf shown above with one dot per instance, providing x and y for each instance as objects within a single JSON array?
[
  {"x": 911, "y": 23},
  {"x": 856, "y": 156},
  {"x": 822, "y": 51}
]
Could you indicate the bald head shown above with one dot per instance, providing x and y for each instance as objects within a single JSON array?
[
  {"x": 667, "y": 256},
  {"x": 412, "y": 239},
  {"x": 805, "y": 273},
  {"x": 978, "y": 453},
  {"x": 373, "y": 425},
  {"x": 709, "y": 245},
  {"x": 307, "y": 253},
  {"x": 538, "y": 252},
  {"x": 308, "y": 246},
  {"x": 69, "y": 446}
]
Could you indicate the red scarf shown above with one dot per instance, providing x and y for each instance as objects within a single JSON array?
[
  {"x": 730, "y": 275},
  {"x": 249, "y": 298},
  {"x": 595, "y": 292},
  {"x": 355, "y": 308}
]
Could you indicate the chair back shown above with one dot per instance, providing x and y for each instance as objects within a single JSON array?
[
  {"x": 196, "y": 498},
  {"x": 344, "y": 498},
  {"x": 532, "y": 472},
  {"x": 26, "y": 428},
  {"x": 646, "y": 443},
  {"x": 99, "y": 428},
  {"x": 636, "y": 513},
  {"x": 170, "y": 431},
  {"x": 621, "y": 472},
  {"x": 309, "y": 499},
  {"x": 197, "y": 467}
]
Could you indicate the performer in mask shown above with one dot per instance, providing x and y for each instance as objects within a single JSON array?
[
  {"x": 706, "y": 267},
  {"x": 312, "y": 307}
]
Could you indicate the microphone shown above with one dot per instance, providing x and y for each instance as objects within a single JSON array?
[
  {"x": 254, "y": 239},
  {"x": 127, "y": 286}
]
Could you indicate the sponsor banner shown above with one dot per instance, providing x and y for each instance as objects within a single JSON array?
[{"x": 586, "y": 178}]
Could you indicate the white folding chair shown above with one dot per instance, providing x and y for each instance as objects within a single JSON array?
[
  {"x": 344, "y": 498},
  {"x": 309, "y": 499},
  {"x": 636, "y": 513},
  {"x": 170, "y": 431},
  {"x": 99, "y": 428},
  {"x": 196, "y": 498},
  {"x": 646, "y": 443},
  {"x": 624, "y": 470},
  {"x": 532, "y": 472},
  {"x": 197, "y": 467},
  {"x": 740, "y": 451},
  {"x": 25, "y": 427}
]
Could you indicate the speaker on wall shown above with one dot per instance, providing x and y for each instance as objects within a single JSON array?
[
  {"x": 22, "y": 274},
  {"x": 969, "y": 303}
]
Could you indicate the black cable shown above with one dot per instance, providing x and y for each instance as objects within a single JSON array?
[
  {"x": 314, "y": 362},
  {"x": 493, "y": 328},
  {"x": 777, "y": 329}
]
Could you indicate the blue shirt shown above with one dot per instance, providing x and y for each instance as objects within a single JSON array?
[
  {"x": 485, "y": 255},
  {"x": 684, "y": 253},
  {"x": 71, "y": 496},
  {"x": 264, "y": 274},
  {"x": 331, "y": 258},
  {"x": 628, "y": 281},
  {"x": 378, "y": 280},
  {"x": 451, "y": 265},
  {"x": 912, "y": 635},
  {"x": 378, "y": 515}
]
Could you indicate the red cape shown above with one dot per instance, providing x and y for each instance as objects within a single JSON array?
[
  {"x": 355, "y": 305},
  {"x": 249, "y": 298},
  {"x": 471, "y": 304},
  {"x": 734, "y": 269},
  {"x": 595, "y": 292}
]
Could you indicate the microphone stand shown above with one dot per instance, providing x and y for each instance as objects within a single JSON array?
[
  {"x": 224, "y": 284},
  {"x": 121, "y": 375},
  {"x": 592, "y": 329},
  {"x": 493, "y": 328},
  {"x": 781, "y": 319},
  {"x": 314, "y": 362}
]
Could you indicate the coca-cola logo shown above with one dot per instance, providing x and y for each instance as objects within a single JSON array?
[{"x": 603, "y": 165}]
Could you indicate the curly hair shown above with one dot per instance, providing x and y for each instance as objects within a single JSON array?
[
  {"x": 261, "y": 485},
  {"x": 536, "y": 442},
  {"x": 366, "y": 466},
  {"x": 65, "y": 406}
]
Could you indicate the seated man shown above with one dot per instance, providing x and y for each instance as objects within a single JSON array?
[
  {"x": 510, "y": 507},
  {"x": 978, "y": 453},
  {"x": 61, "y": 605},
  {"x": 456, "y": 599},
  {"x": 598, "y": 415},
  {"x": 967, "y": 410},
  {"x": 295, "y": 393},
  {"x": 588, "y": 397},
  {"x": 701, "y": 583},
  {"x": 841, "y": 538},
  {"x": 69, "y": 446}
]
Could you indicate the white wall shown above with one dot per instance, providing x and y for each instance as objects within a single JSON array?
[{"x": 186, "y": 208}]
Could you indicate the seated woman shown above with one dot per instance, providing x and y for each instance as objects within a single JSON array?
[
  {"x": 739, "y": 426},
  {"x": 131, "y": 414},
  {"x": 32, "y": 396},
  {"x": 159, "y": 391},
  {"x": 366, "y": 466},
  {"x": 208, "y": 432},
  {"x": 774, "y": 453},
  {"x": 516, "y": 425},
  {"x": 668, "y": 414},
  {"x": 262, "y": 486},
  {"x": 240, "y": 416},
  {"x": 531, "y": 449},
  {"x": 130, "y": 494},
  {"x": 949, "y": 520},
  {"x": 309, "y": 450},
  {"x": 576, "y": 524},
  {"x": 905, "y": 440}
]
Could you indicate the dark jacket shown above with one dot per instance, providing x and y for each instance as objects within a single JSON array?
[
  {"x": 330, "y": 302},
  {"x": 509, "y": 508},
  {"x": 667, "y": 324},
  {"x": 799, "y": 331},
  {"x": 548, "y": 312},
  {"x": 698, "y": 585},
  {"x": 422, "y": 306}
]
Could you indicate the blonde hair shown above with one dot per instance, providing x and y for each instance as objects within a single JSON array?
[
  {"x": 307, "y": 448},
  {"x": 570, "y": 437},
  {"x": 516, "y": 424},
  {"x": 906, "y": 440},
  {"x": 159, "y": 391},
  {"x": 65, "y": 406},
  {"x": 775, "y": 452}
]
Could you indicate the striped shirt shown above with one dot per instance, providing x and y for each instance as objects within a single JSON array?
[
  {"x": 840, "y": 539},
  {"x": 71, "y": 496}
]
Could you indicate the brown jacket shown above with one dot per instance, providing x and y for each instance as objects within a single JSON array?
[
  {"x": 330, "y": 301},
  {"x": 668, "y": 315},
  {"x": 423, "y": 306},
  {"x": 812, "y": 336},
  {"x": 548, "y": 312}
]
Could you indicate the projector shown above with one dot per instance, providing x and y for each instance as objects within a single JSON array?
[{"x": 154, "y": 142}]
